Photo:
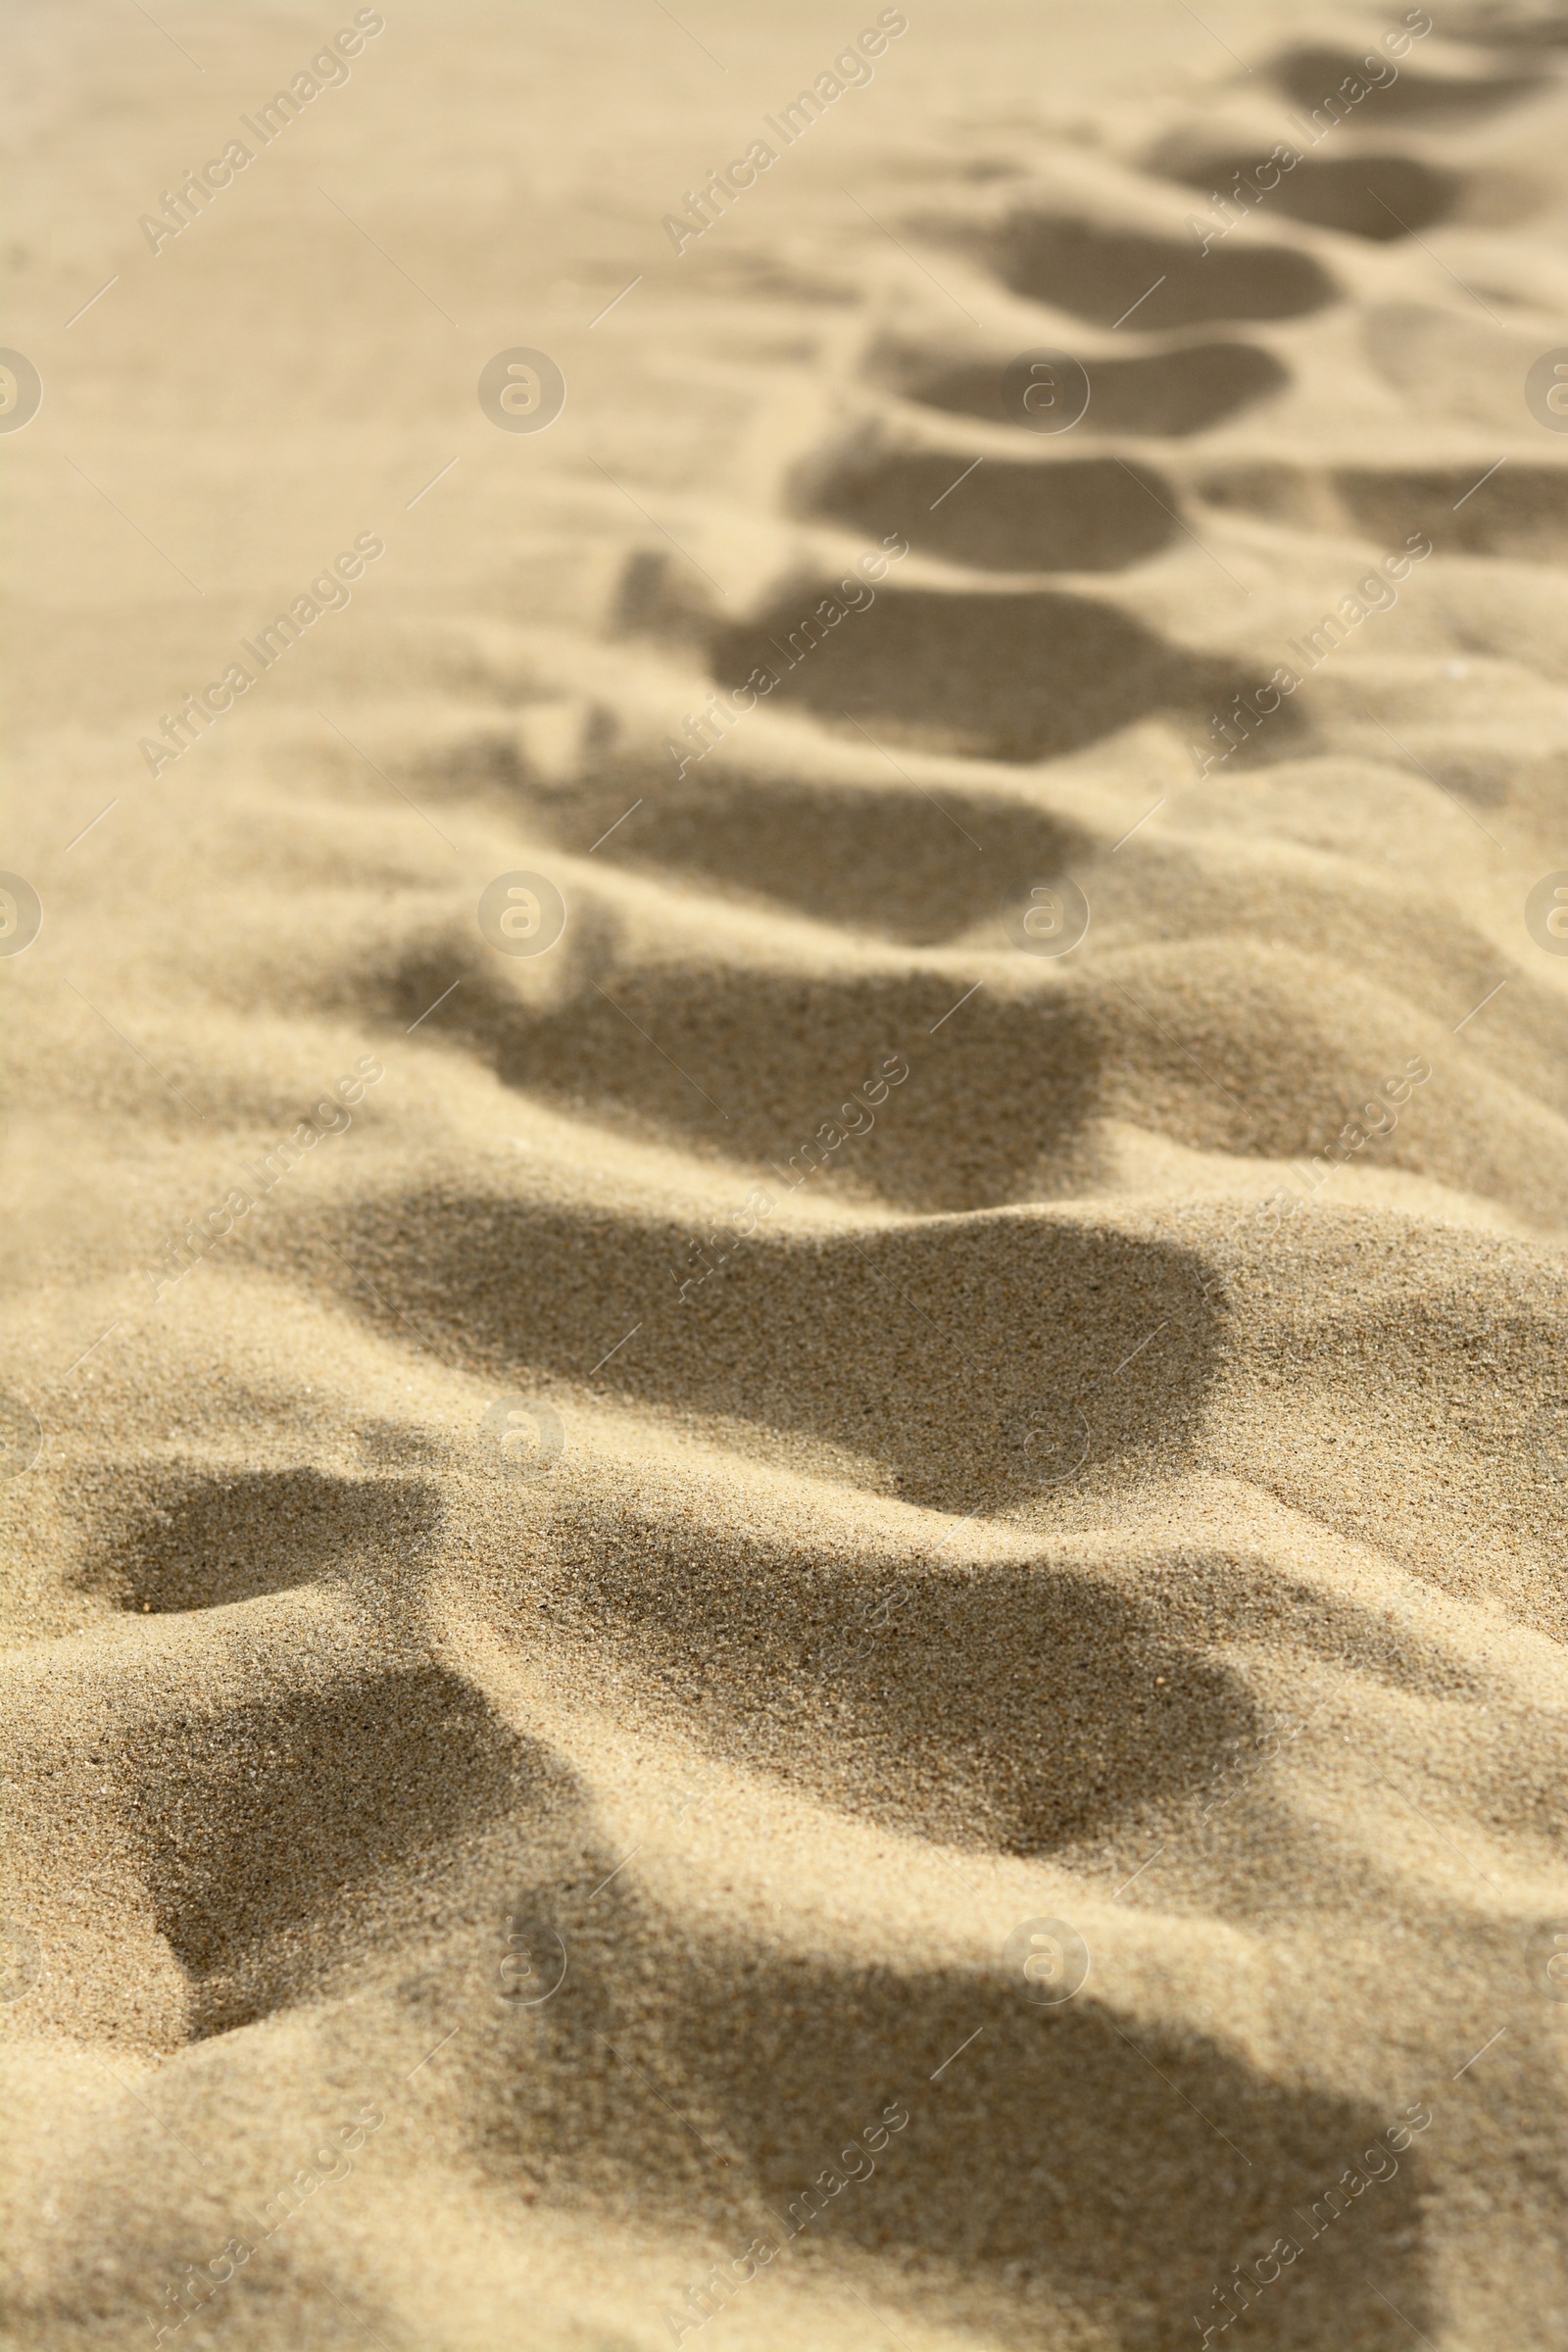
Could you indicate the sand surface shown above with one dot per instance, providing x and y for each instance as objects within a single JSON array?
[{"x": 806, "y": 1590}]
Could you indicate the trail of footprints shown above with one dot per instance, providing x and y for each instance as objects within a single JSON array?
[{"x": 981, "y": 655}]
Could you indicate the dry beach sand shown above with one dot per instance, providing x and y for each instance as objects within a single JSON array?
[{"x": 786, "y": 1423}]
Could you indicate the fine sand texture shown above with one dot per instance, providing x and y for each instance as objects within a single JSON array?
[{"x": 785, "y": 970}]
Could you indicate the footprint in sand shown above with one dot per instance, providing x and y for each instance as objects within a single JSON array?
[{"x": 1168, "y": 394}]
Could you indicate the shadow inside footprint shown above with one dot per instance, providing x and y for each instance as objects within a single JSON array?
[
  {"x": 1033, "y": 2112},
  {"x": 979, "y": 1360},
  {"x": 1075, "y": 515},
  {"x": 1500, "y": 24},
  {"x": 1518, "y": 510},
  {"x": 1020, "y": 1710},
  {"x": 1375, "y": 196},
  {"x": 1165, "y": 394},
  {"x": 1112, "y": 276},
  {"x": 200, "y": 1543},
  {"x": 1020, "y": 676},
  {"x": 1330, "y": 84},
  {"x": 267, "y": 1817},
  {"x": 750, "y": 832}
]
